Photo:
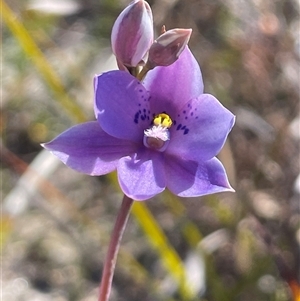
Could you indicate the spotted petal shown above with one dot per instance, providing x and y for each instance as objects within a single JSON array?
[
  {"x": 88, "y": 149},
  {"x": 200, "y": 129},
  {"x": 121, "y": 105},
  {"x": 174, "y": 85},
  {"x": 141, "y": 177},
  {"x": 191, "y": 179}
]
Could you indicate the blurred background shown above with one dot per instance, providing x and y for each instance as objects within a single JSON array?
[{"x": 56, "y": 223}]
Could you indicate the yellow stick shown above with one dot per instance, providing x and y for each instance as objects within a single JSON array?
[{"x": 33, "y": 52}]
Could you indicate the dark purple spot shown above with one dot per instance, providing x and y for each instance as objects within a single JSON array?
[
  {"x": 192, "y": 113},
  {"x": 136, "y": 117},
  {"x": 184, "y": 111},
  {"x": 185, "y": 131},
  {"x": 186, "y": 118},
  {"x": 178, "y": 127},
  {"x": 174, "y": 122}
]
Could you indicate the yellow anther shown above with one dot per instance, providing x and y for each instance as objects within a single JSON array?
[{"x": 163, "y": 120}]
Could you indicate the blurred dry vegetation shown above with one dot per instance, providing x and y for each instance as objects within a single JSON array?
[{"x": 56, "y": 222}]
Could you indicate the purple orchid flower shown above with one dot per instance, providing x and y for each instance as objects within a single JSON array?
[{"x": 162, "y": 133}]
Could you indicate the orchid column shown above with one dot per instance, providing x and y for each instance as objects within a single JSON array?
[{"x": 154, "y": 125}]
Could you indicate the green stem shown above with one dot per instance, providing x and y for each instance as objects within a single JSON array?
[
  {"x": 143, "y": 72},
  {"x": 111, "y": 257}
]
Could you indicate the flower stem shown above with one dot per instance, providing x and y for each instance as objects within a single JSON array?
[
  {"x": 143, "y": 72},
  {"x": 111, "y": 257}
]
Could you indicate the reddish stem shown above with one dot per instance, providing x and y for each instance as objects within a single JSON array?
[{"x": 111, "y": 257}]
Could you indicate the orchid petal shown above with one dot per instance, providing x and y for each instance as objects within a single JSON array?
[
  {"x": 122, "y": 105},
  {"x": 200, "y": 129},
  {"x": 143, "y": 176},
  {"x": 174, "y": 85},
  {"x": 88, "y": 149},
  {"x": 191, "y": 179}
]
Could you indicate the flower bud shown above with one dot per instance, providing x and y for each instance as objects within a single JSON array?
[
  {"x": 132, "y": 33},
  {"x": 168, "y": 47}
]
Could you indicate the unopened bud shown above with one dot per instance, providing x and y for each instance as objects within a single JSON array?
[
  {"x": 168, "y": 47},
  {"x": 132, "y": 33}
]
